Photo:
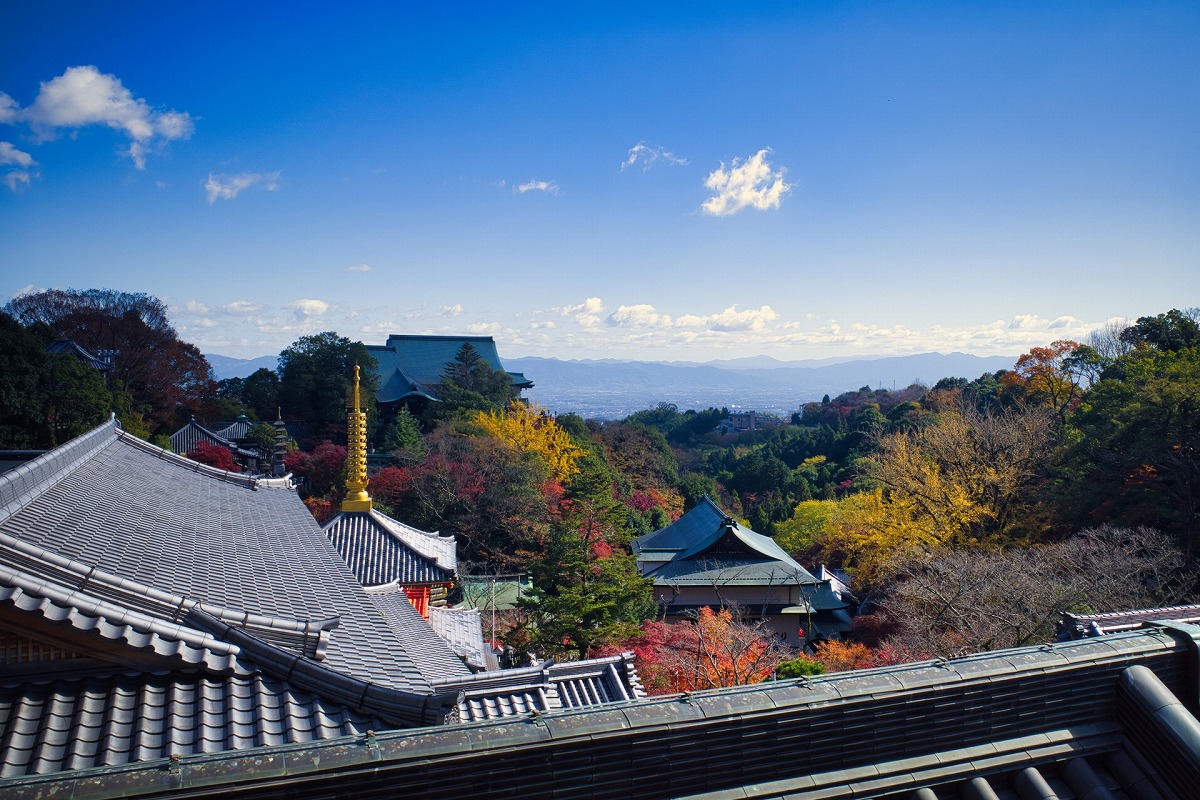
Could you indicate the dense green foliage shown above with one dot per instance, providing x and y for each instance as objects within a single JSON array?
[{"x": 316, "y": 374}]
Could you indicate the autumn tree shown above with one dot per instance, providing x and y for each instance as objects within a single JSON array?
[
  {"x": 213, "y": 455},
  {"x": 164, "y": 377},
  {"x": 716, "y": 649},
  {"x": 530, "y": 429},
  {"x": 322, "y": 470},
  {"x": 958, "y": 601},
  {"x": 1047, "y": 375},
  {"x": 315, "y": 376},
  {"x": 488, "y": 495},
  {"x": 970, "y": 477}
]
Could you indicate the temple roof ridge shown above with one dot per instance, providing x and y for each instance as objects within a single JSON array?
[
  {"x": 68, "y": 578},
  {"x": 27, "y": 482}
]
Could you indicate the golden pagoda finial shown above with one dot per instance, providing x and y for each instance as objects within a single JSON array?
[{"x": 357, "y": 498}]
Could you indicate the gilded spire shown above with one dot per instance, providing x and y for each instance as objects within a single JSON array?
[{"x": 357, "y": 498}]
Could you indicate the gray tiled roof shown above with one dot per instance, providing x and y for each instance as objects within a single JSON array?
[
  {"x": 546, "y": 687},
  {"x": 1081, "y": 626},
  {"x": 462, "y": 629},
  {"x": 186, "y": 438},
  {"x": 381, "y": 550},
  {"x": 238, "y": 429},
  {"x": 114, "y": 502},
  {"x": 1093, "y": 719},
  {"x": 432, "y": 654},
  {"x": 706, "y": 547},
  {"x": 71, "y": 723}
]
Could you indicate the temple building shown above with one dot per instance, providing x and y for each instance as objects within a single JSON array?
[
  {"x": 184, "y": 440},
  {"x": 706, "y": 558},
  {"x": 411, "y": 367}
]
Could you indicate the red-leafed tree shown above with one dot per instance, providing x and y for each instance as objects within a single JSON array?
[
  {"x": 714, "y": 649},
  {"x": 213, "y": 455},
  {"x": 164, "y": 377},
  {"x": 491, "y": 497},
  {"x": 388, "y": 486},
  {"x": 1046, "y": 375},
  {"x": 323, "y": 470}
]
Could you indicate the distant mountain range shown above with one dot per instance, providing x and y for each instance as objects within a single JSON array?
[
  {"x": 229, "y": 367},
  {"x": 612, "y": 389}
]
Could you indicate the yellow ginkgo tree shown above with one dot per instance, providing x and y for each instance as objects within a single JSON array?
[{"x": 529, "y": 428}]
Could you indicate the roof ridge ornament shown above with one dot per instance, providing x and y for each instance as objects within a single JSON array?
[{"x": 357, "y": 498}]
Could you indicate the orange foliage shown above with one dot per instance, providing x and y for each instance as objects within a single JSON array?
[
  {"x": 713, "y": 651},
  {"x": 839, "y": 656}
]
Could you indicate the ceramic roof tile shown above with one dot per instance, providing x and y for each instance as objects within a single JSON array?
[
  {"x": 462, "y": 629},
  {"x": 430, "y": 653},
  {"x": 117, "y": 503},
  {"x": 768, "y": 748},
  {"x": 381, "y": 550},
  {"x": 76, "y": 723}
]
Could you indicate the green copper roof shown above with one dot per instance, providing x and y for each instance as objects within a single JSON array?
[{"x": 412, "y": 365}]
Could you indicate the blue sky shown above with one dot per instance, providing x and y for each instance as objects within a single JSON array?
[{"x": 607, "y": 180}]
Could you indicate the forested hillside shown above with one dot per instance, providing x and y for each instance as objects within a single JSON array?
[{"x": 969, "y": 514}]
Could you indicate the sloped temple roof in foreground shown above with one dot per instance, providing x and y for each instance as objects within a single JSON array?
[
  {"x": 1102, "y": 718},
  {"x": 151, "y": 606}
]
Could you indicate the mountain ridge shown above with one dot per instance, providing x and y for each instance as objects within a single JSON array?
[{"x": 615, "y": 388}]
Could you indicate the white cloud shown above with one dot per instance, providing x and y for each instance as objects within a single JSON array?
[
  {"x": 359, "y": 268},
  {"x": 730, "y": 319},
  {"x": 544, "y": 325},
  {"x": 753, "y": 184},
  {"x": 195, "y": 307},
  {"x": 549, "y": 187},
  {"x": 84, "y": 96},
  {"x": 1064, "y": 322},
  {"x": 638, "y": 316},
  {"x": 640, "y": 153},
  {"x": 11, "y": 155},
  {"x": 18, "y": 179},
  {"x": 587, "y": 313},
  {"x": 480, "y": 328},
  {"x": 8, "y": 109},
  {"x": 309, "y": 308},
  {"x": 22, "y": 174},
  {"x": 450, "y": 311},
  {"x": 227, "y": 187},
  {"x": 1024, "y": 321},
  {"x": 242, "y": 308}
]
